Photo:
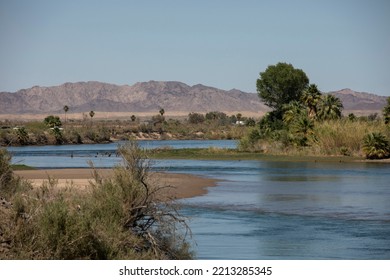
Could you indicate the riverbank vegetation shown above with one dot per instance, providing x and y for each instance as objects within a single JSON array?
[
  {"x": 52, "y": 131},
  {"x": 306, "y": 122},
  {"x": 121, "y": 217}
]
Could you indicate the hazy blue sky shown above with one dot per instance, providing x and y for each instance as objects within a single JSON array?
[{"x": 220, "y": 43}]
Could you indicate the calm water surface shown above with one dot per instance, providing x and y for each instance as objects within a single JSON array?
[{"x": 265, "y": 210}]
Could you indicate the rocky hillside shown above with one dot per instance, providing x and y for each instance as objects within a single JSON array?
[
  {"x": 151, "y": 96},
  {"x": 140, "y": 97},
  {"x": 360, "y": 101}
]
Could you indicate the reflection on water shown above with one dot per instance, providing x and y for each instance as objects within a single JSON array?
[{"x": 267, "y": 210}]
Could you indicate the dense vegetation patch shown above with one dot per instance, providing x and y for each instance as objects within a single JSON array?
[{"x": 122, "y": 217}]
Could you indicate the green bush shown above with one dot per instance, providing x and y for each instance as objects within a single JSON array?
[
  {"x": 376, "y": 146},
  {"x": 126, "y": 216}
]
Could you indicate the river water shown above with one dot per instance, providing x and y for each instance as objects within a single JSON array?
[{"x": 263, "y": 209}]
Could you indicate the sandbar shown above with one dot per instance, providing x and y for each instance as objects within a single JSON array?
[{"x": 183, "y": 185}]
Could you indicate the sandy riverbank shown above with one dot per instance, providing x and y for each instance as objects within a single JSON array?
[{"x": 184, "y": 185}]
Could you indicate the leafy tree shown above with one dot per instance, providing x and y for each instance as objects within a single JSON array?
[
  {"x": 250, "y": 122},
  {"x": 329, "y": 107},
  {"x": 196, "y": 118},
  {"x": 215, "y": 115},
  {"x": 52, "y": 121},
  {"x": 386, "y": 111},
  {"x": 376, "y": 146},
  {"x": 280, "y": 84},
  {"x": 310, "y": 97}
]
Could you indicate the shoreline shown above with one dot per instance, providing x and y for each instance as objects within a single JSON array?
[{"x": 183, "y": 185}]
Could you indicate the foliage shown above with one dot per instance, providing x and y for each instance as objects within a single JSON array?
[
  {"x": 162, "y": 111},
  {"x": 329, "y": 107},
  {"x": 195, "y": 118},
  {"x": 250, "y": 122},
  {"x": 269, "y": 123},
  {"x": 66, "y": 109},
  {"x": 52, "y": 121},
  {"x": 9, "y": 184},
  {"x": 126, "y": 216},
  {"x": 22, "y": 136},
  {"x": 215, "y": 115},
  {"x": 293, "y": 110},
  {"x": 311, "y": 97},
  {"x": 248, "y": 142},
  {"x": 376, "y": 146},
  {"x": 302, "y": 128},
  {"x": 280, "y": 84},
  {"x": 57, "y": 135},
  {"x": 352, "y": 117},
  {"x": 386, "y": 111}
]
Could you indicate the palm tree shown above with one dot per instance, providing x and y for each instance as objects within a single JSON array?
[
  {"x": 162, "y": 112},
  {"x": 310, "y": 97},
  {"x": 386, "y": 111},
  {"x": 376, "y": 146},
  {"x": 91, "y": 114},
  {"x": 292, "y": 110},
  {"x": 66, "y": 109},
  {"x": 329, "y": 107},
  {"x": 302, "y": 127}
]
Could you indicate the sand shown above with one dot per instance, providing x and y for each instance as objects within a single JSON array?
[{"x": 183, "y": 185}]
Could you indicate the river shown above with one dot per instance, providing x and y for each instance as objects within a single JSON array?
[{"x": 263, "y": 209}]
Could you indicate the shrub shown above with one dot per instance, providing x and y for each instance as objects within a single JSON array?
[
  {"x": 123, "y": 217},
  {"x": 195, "y": 118},
  {"x": 9, "y": 184},
  {"x": 52, "y": 121},
  {"x": 376, "y": 146}
]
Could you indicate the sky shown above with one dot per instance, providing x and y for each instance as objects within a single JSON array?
[{"x": 218, "y": 43}]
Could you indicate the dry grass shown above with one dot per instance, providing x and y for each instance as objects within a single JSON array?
[{"x": 121, "y": 217}]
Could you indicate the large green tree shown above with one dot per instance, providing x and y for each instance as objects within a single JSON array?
[{"x": 280, "y": 84}]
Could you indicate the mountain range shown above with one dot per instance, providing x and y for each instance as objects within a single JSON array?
[{"x": 150, "y": 97}]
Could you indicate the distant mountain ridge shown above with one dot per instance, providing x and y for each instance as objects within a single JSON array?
[
  {"x": 140, "y": 97},
  {"x": 151, "y": 96},
  {"x": 360, "y": 101}
]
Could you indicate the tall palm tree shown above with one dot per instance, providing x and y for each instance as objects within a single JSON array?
[
  {"x": 386, "y": 111},
  {"x": 329, "y": 107},
  {"x": 91, "y": 114},
  {"x": 66, "y": 109},
  {"x": 310, "y": 97}
]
